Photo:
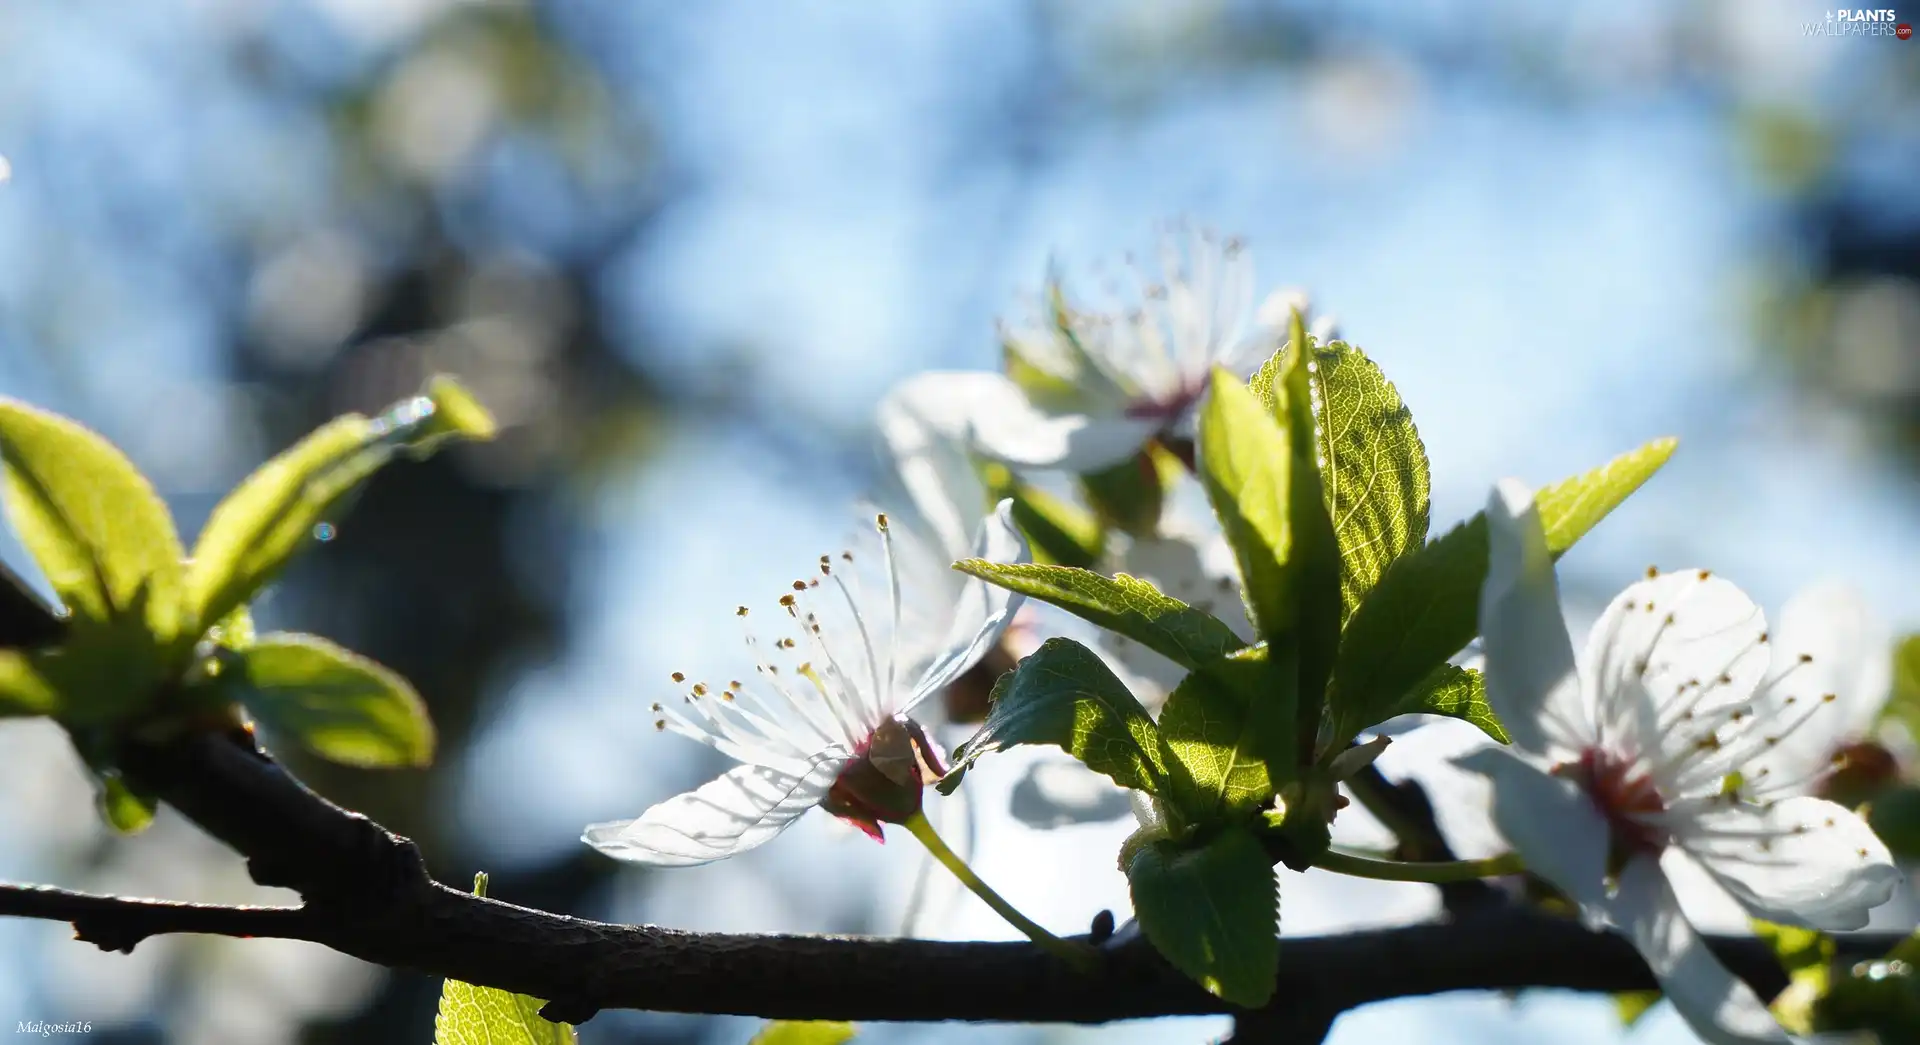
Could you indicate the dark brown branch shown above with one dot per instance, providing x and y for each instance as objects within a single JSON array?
[
  {"x": 593, "y": 965},
  {"x": 368, "y": 895},
  {"x": 117, "y": 923}
]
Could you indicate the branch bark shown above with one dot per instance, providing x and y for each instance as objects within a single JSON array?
[{"x": 367, "y": 894}]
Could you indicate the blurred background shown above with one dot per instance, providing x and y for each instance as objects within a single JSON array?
[{"x": 681, "y": 249}]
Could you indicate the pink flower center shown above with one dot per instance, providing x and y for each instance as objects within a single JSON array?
[
  {"x": 1625, "y": 795},
  {"x": 1169, "y": 409}
]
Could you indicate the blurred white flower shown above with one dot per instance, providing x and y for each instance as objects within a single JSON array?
[
  {"x": 1623, "y": 760},
  {"x": 1100, "y": 384},
  {"x": 835, "y": 734},
  {"x": 1190, "y": 560},
  {"x": 924, "y": 429}
]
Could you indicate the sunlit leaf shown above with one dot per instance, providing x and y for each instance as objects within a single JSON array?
[
  {"x": 471, "y": 1015},
  {"x": 1063, "y": 694},
  {"x": 1632, "y": 1005},
  {"x": 273, "y": 513},
  {"x": 23, "y": 690},
  {"x": 456, "y": 415},
  {"x": 127, "y": 810},
  {"x": 336, "y": 703},
  {"x": 1903, "y": 704},
  {"x": 1059, "y": 532},
  {"x": 1122, "y": 604},
  {"x": 803, "y": 1032},
  {"x": 1127, "y": 496},
  {"x": 1806, "y": 955},
  {"x": 1231, "y": 747},
  {"x": 1373, "y": 470},
  {"x": 1213, "y": 912},
  {"x": 1245, "y": 464},
  {"x": 1426, "y": 607},
  {"x": 1315, "y": 563},
  {"x": 101, "y": 535}
]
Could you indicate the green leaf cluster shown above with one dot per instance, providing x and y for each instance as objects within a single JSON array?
[
  {"x": 158, "y": 639},
  {"x": 1320, "y": 484}
]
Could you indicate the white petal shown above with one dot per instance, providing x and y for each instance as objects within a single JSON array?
[
  {"x": 983, "y": 612},
  {"x": 1181, "y": 565},
  {"x": 1671, "y": 658},
  {"x": 1005, "y": 425},
  {"x": 924, "y": 425},
  {"x": 1551, "y": 822},
  {"x": 1462, "y": 801},
  {"x": 1060, "y": 792},
  {"x": 1830, "y": 624},
  {"x": 1821, "y": 865},
  {"x": 1719, "y": 1007},
  {"x": 1531, "y": 681},
  {"x": 745, "y": 807}
]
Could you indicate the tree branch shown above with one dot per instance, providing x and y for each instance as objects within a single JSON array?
[{"x": 368, "y": 895}]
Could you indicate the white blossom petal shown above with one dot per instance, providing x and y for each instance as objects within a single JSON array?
[
  {"x": 1826, "y": 641},
  {"x": 924, "y": 423},
  {"x": 1531, "y": 680},
  {"x": 1718, "y": 1006},
  {"x": 1002, "y": 423},
  {"x": 983, "y": 612},
  {"x": 741, "y": 809},
  {"x": 1192, "y": 563},
  {"x": 1551, "y": 822},
  {"x": 1671, "y": 662},
  {"x": 1462, "y": 801},
  {"x": 1801, "y": 861}
]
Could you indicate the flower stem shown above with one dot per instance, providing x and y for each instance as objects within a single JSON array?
[
  {"x": 1077, "y": 955},
  {"x": 1433, "y": 872}
]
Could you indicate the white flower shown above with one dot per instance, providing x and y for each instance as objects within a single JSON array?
[
  {"x": 1190, "y": 560},
  {"x": 1115, "y": 379},
  {"x": 924, "y": 429},
  {"x": 830, "y": 728},
  {"x": 1846, "y": 651},
  {"x": 1623, "y": 761}
]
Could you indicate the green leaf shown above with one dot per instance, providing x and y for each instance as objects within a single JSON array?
[
  {"x": 1224, "y": 741},
  {"x": 1374, "y": 471},
  {"x": 1127, "y": 496},
  {"x": 1894, "y": 815},
  {"x": 272, "y": 514},
  {"x": 1316, "y": 562},
  {"x": 1246, "y": 466},
  {"x": 101, "y": 535},
  {"x": 1903, "y": 705},
  {"x": 1632, "y": 1005},
  {"x": 1427, "y": 605},
  {"x": 1571, "y": 507},
  {"x": 1213, "y": 912},
  {"x": 336, "y": 703},
  {"x": 1060, "y": 533},
  {"x": 234, "y": 631},
  {"x": 1122, "y": 604},
  {"x": 471, "y": 1015},
  {"x": 1806, "y": 955},
  {"x": 803, "y": 1032},
  {"x": 125, "y": 809},
  {"x": 1063, "y": 694},
  {"x": 456, "y": 415},
  {"x": 23, "y": 689},
  {"x": 1458, "y": 692}
]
